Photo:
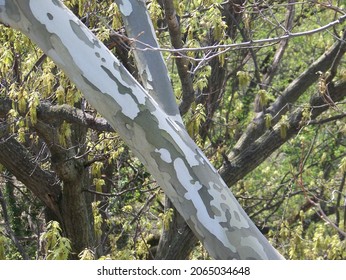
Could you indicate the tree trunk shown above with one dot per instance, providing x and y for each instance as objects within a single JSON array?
[
  {"x": 170, "y": 155},
  {"x": 177, "y": 241},
  {"x": 77, "y": 219}
]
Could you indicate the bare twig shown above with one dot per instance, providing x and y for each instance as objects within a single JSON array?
[
  {"x": 282, "y": 47},
  {"x": 333, "y": 118},
  {"x": 182, "y": 63},
  {"x": 247, "y": 44}
]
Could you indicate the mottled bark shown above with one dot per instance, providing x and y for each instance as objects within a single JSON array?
[
  {"x": 151, "y": 66},
  {"x": 170, "y": 155}
]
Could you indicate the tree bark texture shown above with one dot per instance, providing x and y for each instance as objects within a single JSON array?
[
  {"x": 151, "y": 64},
  {"x": 170, "y": 155},
  {"x": 20, "y": 163}
]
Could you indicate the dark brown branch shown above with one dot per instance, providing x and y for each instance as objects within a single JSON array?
[
  {"x": 53, "y": 113},
  {"x": 282, "y": 46},
  {"x": 338, "y": 203},
  {"x": 58, "y": 113},
  {"x": 271, "y": 140},
  {"x": 181, "y": 62},
  {"x": 337, "y": 60},
  {"x": 333, "y": 118},
  {"x": 257, "y": 127},
  {"x": 18, "y": 160}
]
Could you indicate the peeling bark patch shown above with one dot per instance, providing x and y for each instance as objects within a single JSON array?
[
  {"x": 188, "y": 146},
  {"x": 121, "y": 88},
  {"x": 192, "y": 188},
  {"x": 50, "y": 16},
  {"x": 56, "y": 46},
  {"x": 125, "y": 76},
  {"x": 232, "y": 216},
  {"x": 57, "y": 3},
  {"x": 149, "y": 103},
  {"x": 203, "y": 159},
  {"x": 90, "y": 84},
  {"x": 215, "y": 186},
  {"x": 164, "y": 154},
  {"x": 248, "y": 242},
  {"x": 98, "y": 55},
  {"x": 207, "y": 198},
  {"x": 12, "y": 11},
  {"x": 236, "y": 216},
  {"x": 216, "y": 211},
  {"x": 228, "y": 218},
  {"x": 78, "y": 30},
  {"x": 126, "y": 8}
]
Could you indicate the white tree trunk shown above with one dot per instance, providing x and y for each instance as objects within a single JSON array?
[
  {"x": 159, "y": 141},
  {"x": 151, "y": 66}
]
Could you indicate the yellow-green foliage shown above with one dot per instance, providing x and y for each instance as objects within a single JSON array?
[
  {"x": 194, "y": 119},
  {"x": 268, "y": 120},
  {"x": 316, "y": 242},
  {"x": 244, "y": 80},
  {"x": 167, "y": 218},
  {"x": 86, "y": 255},
  {"x": 64, "y": 133},
  {"x": 56, "y": 246},
  {"x": 3, "y": 245},
  {"x": 97, "y": 219},
  {"x": 342, "y": 165},
  {"x": 284, "y": 125}
]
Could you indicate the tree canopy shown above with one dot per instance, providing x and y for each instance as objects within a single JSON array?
[{"x": 260, "y": 87}]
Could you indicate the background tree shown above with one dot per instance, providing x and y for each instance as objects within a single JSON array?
[{"x": 284, "y": 57}]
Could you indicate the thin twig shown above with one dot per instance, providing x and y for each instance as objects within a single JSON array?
[{"x": 247, "y": 44}]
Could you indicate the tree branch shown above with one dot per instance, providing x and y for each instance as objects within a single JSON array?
[
  {"x": 150, "y": 64},
  {"x": 181, "y": 62},
  {"x": 46, "y": 112},
  {"x": 170, "y": 155},
  {"x": 252, "y": 43},
  {"x": 18, "y": 160},
  {"x": 282, "y": 46},
  {"x": 294, "y": 90},
  {"x": 270, "y": 141}
]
